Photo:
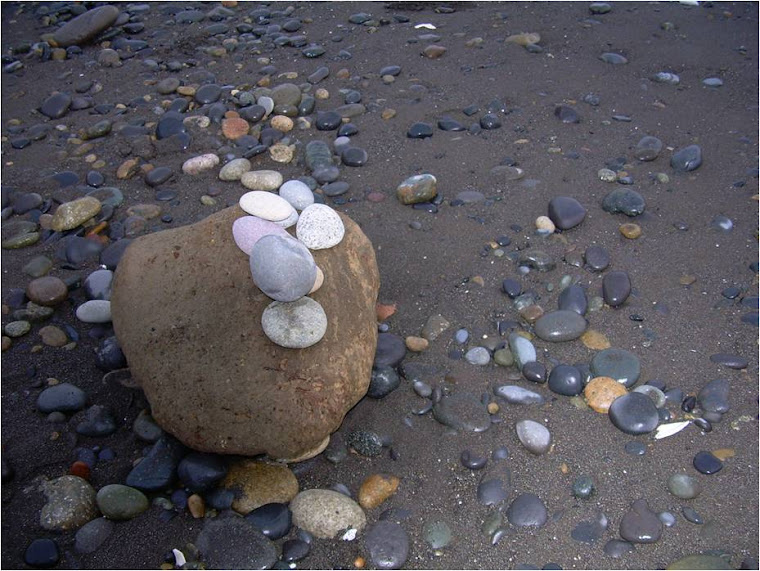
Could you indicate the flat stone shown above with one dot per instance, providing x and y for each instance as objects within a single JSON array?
[
  {"x": 69, "y": 215},
  {"x": 247, "y": 230},
  {"x": 634, "y": 413},
  {"x": 640, "y": 524},
  {"x": 713, "y": 397},
  {"x": 157, "y": 470},
  {"x": 518, "y": 395},
  {"x": 387, "y": 544},
  {"x": 522, "y": 349},
  {"x": 527, "y": 510},
  {"x": 319, "y": 227},
  {"x": 235, "y": 169},
  {"x": 687, "y": 159},
  {"x": 297, "y": 193},
  {"x": 257, "y": 483},
  {"x": 118, "y": 502},
  {"x": 94, "y": 311},
  {"x": 295, "y": 325},
  {"x": 56, "y": 106},
  {"x": 621, "y": 365},
  {"x": 92, "y": 535},
  {"x": 624, "y": 201},
  {"x": 200, "y": 472},
  {"x": 601, "y": 392},
  {"x": 534, "y": 372},
  {"x": 390, "y": 350},
  {"x": 730, "y": 360},
  {"x": 462, "y": 412},
  {"x": 70, "y": 503},
  {"x": 282, "y": 267},
  {"x": 494, "y": 486},
  {"x": 534, "y": 436},
  {"x": 616, "y": 287},
  {"x": 325, "y": 513},
  {"x": 566, "y": 114},
  {"x": 561, "y": 325},
  {"x": 613, "y": 58},
  {"x": 233, "y": 543},
  {"x": 42, "y": 553},
  {"x": 261, "y": 180},
  {"x": 707, "y": 463},
  {"x": 63, "y": 397},
  {"x": 478, "y": 356},
  {"x": 274, "y": 520},
  {"x": 85, "y": 26},
  {"x": 566, "y": 212},
  {"x": 700, "y": 561},
  {"x": 684, "y": 486},
  {"x": 648, "y": 148},
  {"x": 384, "y": 381},
  {"x": 417, "y": 189},
  {"x": 17, "y": 328}
]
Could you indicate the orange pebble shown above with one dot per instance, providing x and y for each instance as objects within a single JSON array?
[{"x": 80, "y": 469}]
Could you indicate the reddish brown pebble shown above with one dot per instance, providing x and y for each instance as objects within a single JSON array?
[
  {"x": 376, "y": 489},
  {"x": 47, "y": 290},
  {"x": 234, "y": 128},
  {"x": 80, "y": 469},
  {"x": 601, "y": 391}
]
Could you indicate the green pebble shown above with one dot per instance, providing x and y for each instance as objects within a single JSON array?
[
  {"x": 700, "y": 562},
  {"x": 17, "y": 328},
  {"x": 583, "y": 487},
  {"x": 20, "y": 241},
  {"x": 492, "y": 523},
  {"x": 119, "y": 502},
  {"x": 504, "y": 357},
  {"x": 38, "y": 267}
]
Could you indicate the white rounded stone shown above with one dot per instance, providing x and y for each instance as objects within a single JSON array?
[
  {"x": 267, "y": 103},
  {"x": 94, "y": 311},
  {"x": 235, "y": 169},
  {"x": 545, "y": 224},
  {"x": 266, "y": 205},
  {"x": 197, "y": 165},
  {"x": 297, "y": 193},
  {"x": 320, "y": 227},
  {"x": 296, "y": 324},
  {"x": 261, "y": 180},
  {"x": 289, "y": 221}
]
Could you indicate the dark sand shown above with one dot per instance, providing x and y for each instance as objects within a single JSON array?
[{"x": 425, "y": 271}]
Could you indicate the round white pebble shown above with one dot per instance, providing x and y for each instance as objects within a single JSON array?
[
  {"x": 320, "y": 227},
  {"x": 297, "y": 193},
  {"x": 261, "y": 180},
  {"x": 94, "y": 311},
  {"x": 266, "y": 205},
  {"x": 197, "y": 165},
  {"x": 295, "y": 325}
]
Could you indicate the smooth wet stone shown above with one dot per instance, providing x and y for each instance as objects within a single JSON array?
[
  {"x": 93, "y": 534},
  {"x": 490, "y": 121},
  {"x": 617, "y": 548},
  {"x": 522, "y": 349},
  {"x": 118, "y": 502},
  {"x": 98, "y": 284},
  {"x": 573, "y": 298},
  {"x": 648, "y": 148},
  {"x": 297, "y": 193},
  {"x": 337, "y": 188},
  {"x": 17, "y": 328},
  {"x": 199, "y": 471},
  {"x": 684, "y": 486},
  {"x": 712, "y": 82},
  {"x": 701, "y": 561},
  {"x": 565, "y": 380},
  {"x": 634, "y": 413},
  {"x": 327, "y": 120},
  {"x": 687, "y": 159},
  {"x": 326, "y": 513},
  {"x": 235, "y": 169},
  {"x": 247, "y": 230},
  {"x": 295, "y": 550},
  {"x": 503, "y": 357},
  {"x": 420, "y": 131},
  {"x": 157, "y": 469},
  {"x": 282, "y": 267},
  {"x": 566, "y": 212},
  {"x": 616, "y": 287},
  {"x": 494, "y": 486},
  {"x": 462, "y": 412},
  {"x": 63, "y": 397},
  {"x": 613, "y": 58},
  {"x": 233, "y": 543},
  {"x": 624, "y": 201},
  {"x": 261, "y": 180},
  {"x": 354, "y": 156},
  {"x": 583, "y": 487},
  {"x": 472, "y": 460},
  {"x": 597, "y": 258},
  {"x": 69, "y": 215},
  {"x": 478, "y": 356},
  {"x": 417, "y": 189},
  {"x": 390, "y": 351},
  {"x": 437, "y": 534},
  {"x": 707, "y": 463},
  {"x": 534, "y": 436},
  {"x": 561, "y": 325},
  {"x": 56, "y": 106},
  {"x": 537, "y": 259},
  {"x": 86, "y": 26},
  {"x": 273, "y": 520},
  {"x": 449, "y": 124},
  {"x": 387, "y": 544},
  {"x": 713, "y": 397},
  {"x": 384, "y": 381},
  {"x": 518, "y": 395},
  {"x": 534, "y": 372},
  {"x": 319, "y": 227},
  {"x": 295, "y": 325},
  {"x": 657, "y": 396},
  {"x": 729, "y": 360},
  {"x": 527, "y": 510},
  {"x": 42, "y": 553},
  {"x": 621, "y": 365},
  {"x": 566, "y": 114},
  {"x": 640, "y": 524},
  {"x": 208, "y": 93}
]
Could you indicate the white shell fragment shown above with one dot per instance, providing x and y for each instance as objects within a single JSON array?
[{"x": 665, "y": 430}]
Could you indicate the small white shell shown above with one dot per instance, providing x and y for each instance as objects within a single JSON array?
[
  {"x": 665, "y": 430},
  {"x": 426, "y": 26},
  {"x": 179, "y": 558}
]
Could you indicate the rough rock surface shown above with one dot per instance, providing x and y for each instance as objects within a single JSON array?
[{"x": 196, "y": 345}]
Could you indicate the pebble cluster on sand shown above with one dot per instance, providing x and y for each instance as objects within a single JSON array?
[{"x": 215, "y": 115}]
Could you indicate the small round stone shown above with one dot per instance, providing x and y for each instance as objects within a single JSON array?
[
  {"x": 583, "y": 487},
  {"x": 527, "y": 510},
  {"x": 707, "y": 463},
  {"x": 320, "y": 227},
  {"x": 634, "y": 413},
  {"x": 684, "y": 486},
  {"x": 295, "y": 325},
  {"x": 630, "y": 230},
  {"x": 534, "y": 436},
  {"x": 282, "y": 267},
  {"x": 297, "y": 193},
  {"x": 621, "y": 365},
  {"x": 119, "y": 502},
  {"x": 600, "y": 393},
  {"x": 565, "y": 380},
  {"x": 47, "y": 290}
]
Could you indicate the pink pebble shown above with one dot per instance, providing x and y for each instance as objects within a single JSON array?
[{"x": 249, "y": 229}]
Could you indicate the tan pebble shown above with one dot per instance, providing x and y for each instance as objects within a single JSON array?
[
  {"x": 433, "y": 51},
  {"x": 90, "y": 158},
  {"x": 166, "y": 566},
  {"x": 231, "y": 114},
  {"x": 282, "y": 153},
  {"x": 376, "y": 489},
  {"x": 36, "y": 349},
  {"x": 388, "y": 79},
  {"x": 532, "y": 313},
  {"x": 58, "y": 54},
  {"x": 235, "y": 127},
  {"x": 524, "y": 39},
  {"x": 493, "y": 408},
  {"x": 207, "y": 200},
  {"x": 724, "y": 454},
  {"x": 70, "y": 346},
  {"x": 564, "y": 468},
  {"x": 186, "y": 90},
  {"x": 320, "y": 279},
  {"x": 630, "y": 230},
  {"x": 263, "y": 61},
  {"x": 478, "y": 280},
  {"x": 197, "y": 506},
  {"x": 595, "y": 340},
  {"x": 359, "y": 562},
  {"x": 416, "y": 344},
  {"x": 522, "y": 141},
  {"x": 128, "y": 169},
  {"x": 99, "y": 164},
  {"x": 6, "y": 343},
  {"x": 322, "y": 93},
  {"x": 264, "y": 81},
  {"x": 600, "y": 392},
  {"x": 545, "y": 223},
  {"x": 388, "y": 114},
  {"x": 343, "y": 73},
  {"x": 53, "y": 336},
  {"x": 281, "y": 123},
  {"x": 52, "y": 381},
  {"x": 687, "y": 280},
  {"x": 229, "y": 3}
]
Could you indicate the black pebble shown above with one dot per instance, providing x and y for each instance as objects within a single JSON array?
[
  {"x": 472, "y": 461},
  {"x": 490, "y": 121},
  {"x": 42, "y": 553},
  {"x": 273, "y": 520},
  {"x": 706, "y": 463},
  {"x": 534, "y": 371},
  {"x": 420, "y": 131}
]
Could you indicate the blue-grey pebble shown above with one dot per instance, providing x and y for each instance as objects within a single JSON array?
[
  {"x": 687, "y": 159},
  {"x": 273, "y": 519},
  {"x": 384, "y": 381},
  {"x": 624, "y": 201},
  {"x": 199, "y": 471},
  {"x": 566, "y": 212},
  {"x": 518, "y": 395},
  {"x": 619, "y": 364},
  {"x": 462, "y": 411},
  {"x": 98, "y": 421},
  {"x": 295, "y": 550},
  {"x": 573, "y": 298},
  {"x": 64, "y": 397},
  {"x": 157, "y": 470},
  {"x": 494, "y": 486},
  {"x": 713, "y": 397},
  {"x": 390, "y": 350},
  {"x": 534, "y": 436},
  {"x": 527, "y": 510},
  {"x": 472, "y": 460},
  {"x": 634, "y": 414},
  {"x": 640, "y": 524},
  {"x": 616, "y": 287},
  {"x": 565, "y": 380},
  {"x": 707, "y": 463},
  {"x": 98, "y": 285},
  {"x": 387, "y": 544},
  {"x": 534, "y": 371},
  {"x": 282, "y": 268},
  {"x": 233, "y": 543},
  {"x": 560, "y": 325},
  {"x": 597, "y": 258},
  {"x": 667, "y": 519},
  {"x": 478, "y": 356},
  {"x": 92, "y": 535}
]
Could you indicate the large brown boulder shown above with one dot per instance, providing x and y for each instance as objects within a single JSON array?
[{"x": 188, "y": 317}]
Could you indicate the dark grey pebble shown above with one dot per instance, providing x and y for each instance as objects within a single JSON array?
[
  {"x": 616, "y": 287},
  {"x": 319, "y": 74},
  {"x": 597, "y": 258},
  {"x": 208, "y": 93},
  {"x": 93, "y": 534},
  {"x": 635, "y": 448},
  {"x": 42, "y": 553},
  {"x": 687, "y": 159},
  {"x": 354, "y": 157},
  {"x": 348, "y": 130},
  {"x": 511, "y": 287},
  {"x": 328, "y": 120},
  {"x": 583, "y": 487},
  {"x": 472, "y": 460},
  {"x": 387, "y": 544},
  {"x": 295, "y": 550},
  {"x": 157, "y": 469},
  {"x": 494, "y": 486},
  {"x": 730, "y": 360},
  {"x": 617, "y": 548},
  {"x": 393, "y": 70},
  {"x": 337, "y": 188},
  {"x": 109, "y": 356},
  {"x": 98, "y": 285},
  {"x": 688, "y": 404},
  {"x": 233, "y": 543},
  {"x": 199, "y": 471},
  {"x": 566, "y": 212},
  {"x": 462, "y": 412},
  {"x": 703, "y": 424},
  {"x": 420, "y": 131},
  {"x": 490, "y": 121},
  {"x": 613, "y": 58},
  {"x": 534, "y": 371},
  {"x": 573, "y": 298},
  {"x": 527, "y": 510},
  {"x": 560, "y": 325},
  {"x": 98, "y": 421},
  {"x": 313, "y": 51},
  {"x": 95, "y": 179},
  {"x": 449, "y": 124},
  {"x": 624, "y": 201},
  {"x": 390, "y": 350},
  {"x": 648, "y": 148},
  {"x": 565, "y": 380},
  {"x": 566, "y": 114},
  {"x": 64, "y": 397},
  {"x": 691, "y": 515},
  {"x": 384, "y": 381},
  {"x": 158, "y": 175},
  {"x": 634, "y": 413},
  {"x": 713, "y": 397},
  {"x": 365, "y": 442},
  {"x": 273, "y": 520},
  {"x": 111, "y": 255},
  {"x": 56, "y": 106},
  {"x": 706, "y": 463},
  {"x": 640, "y": 524}
]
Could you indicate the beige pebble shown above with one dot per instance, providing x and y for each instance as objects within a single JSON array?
[
  {"x": 128, "y": 169},
  {"x": 53, "y": 336},
  {"x": 322, "y": 93},
  {"x": 595, "y": 340},
  {"x": 186, "y": 90},
  {"x": 545, "y": 223},
  {"x": 320, "y": 279},
  {"x": 6, "y": 343},
  {"x": 281, "y": 123},
  {"x": 493, "y": 408},
  {"x": 630, "y": 230},
  {"x": 416, "y": 344},
  {"x": 376, "y": 489},
  {"x": 282, "y": 153},
  {"x": 388, "y": 113},
  {"x": 197, "y": 506}
]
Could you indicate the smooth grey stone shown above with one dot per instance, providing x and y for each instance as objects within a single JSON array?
[
  {"x": 566, "y": 212},
  {"x": 537, "y": 259},
  {"x": 566, "y": 114},
  {"x": 527, "y": 510},
  {"x": 635, "y": 448},
  {"x": 561, "y": 325},
  {"x": 392, "y": 70},
  {"x": 648, "y": 148},
  {"x": 233, "y": 543},
  {"x": 387, "y": 544},
  {"x": 712, "y": 82},
  {"x": 56, "y": 106},
  {"x": 490, "y": 121},
  {"x": 624, "y": 201},
  {"x": 354, "y": 157},
  {"x": 157, "y": 470},
  {"x": 98, "y": 285},
  {"x": 522, "y": 350},
  {"x": 158, "y": 175},
  {"x": 534, "y": 372},
  {"x": 462, "y": 412},
  {"x": 390, "y": 350},
  {"x": 621, "y": 365},
  {"x": 613, "y": 58},
  {"x": 336, "y": 188},
  {"x": 597, "y": 258},
  {"x": 274, "y": 520},
  {"x": 573, "y": 298},
  {"x": 461, "y": 336},
  {"x": 640, "y": 524},
  {"x": 64, "y": 397},
  {"x": 42, "y": 553},
  {"x": 92, "y": 535},
  {"x": 420, "y": 131},
  {"x": 98, "y": 421},
  {"x": 86, "y": 26},
  {"x": 616, "y": 287},
  {"x": 437, "y": 534},
  {"x": 687, "y": 159},
  {"x": 565, "y": 380},
  {"x": 478, "y": 356},
  {"x": 634, "y": 414},
  {"x": 327, "y": 120},
  {"x": 209, "y": 93},
  {"x": 511, "y": 287},
  {"x": 295, "y": 550},
  {"x": 684, "y": 486},
  {"x": 617, "y": 548},
  {"x": 729, "y": 360},
  {"x": 472, "y": 460},
  {"x": 282, "y": 268},
  {"x": 199, "y": 471},
  {"x": 713, "y": 397},
  {"x": 296, "y": 325},
  {"x": 599, "y": 8},
  {"x": 146, "y": 428},
  {"x": 583, "y": 487},
  {"x": 383, "y": 382},
  {"x": 534, "y": 436},
  {"x": 518, "y": 395},
  {"x": 657, "y": 396},
  {"x": 722, "y": 223},
  {"x": 691, "y": 515},
  {"x": 494, "y": 486},
  {"x": 707, "y": 463},
  {"x": 667, "y": 519}
]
